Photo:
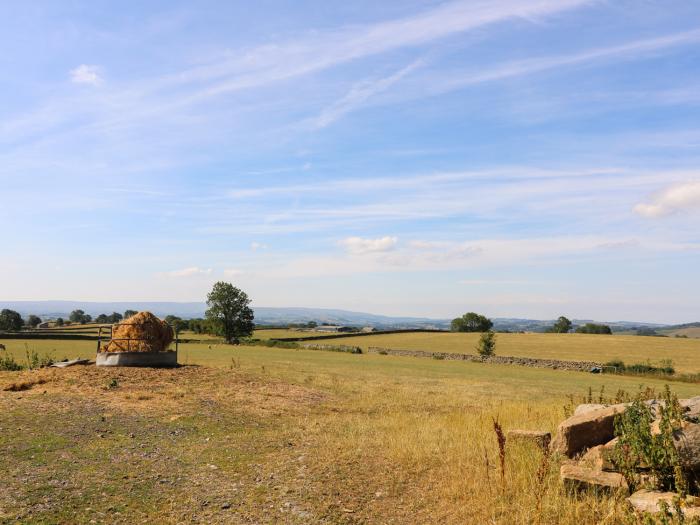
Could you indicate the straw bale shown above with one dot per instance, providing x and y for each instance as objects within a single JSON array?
[{"x": 146, "y": 332}]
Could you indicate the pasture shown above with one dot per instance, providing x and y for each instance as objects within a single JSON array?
[
  {"x": 685, "y": 353},
  {"x": 269, "y": 435}
]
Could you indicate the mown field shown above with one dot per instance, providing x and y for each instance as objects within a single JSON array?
[
  {"x": 268, "y": 435},
  {"x": 685, "y": 353}
]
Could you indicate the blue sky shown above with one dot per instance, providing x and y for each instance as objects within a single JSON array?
[{"x": 522, "y": 158}]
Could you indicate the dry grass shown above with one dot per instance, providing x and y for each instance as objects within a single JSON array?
[
  {"x": 685, "y": 353},
  {"x": 294, "y": 436}
]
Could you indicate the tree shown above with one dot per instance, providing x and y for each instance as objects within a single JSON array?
[
  {"x": 229, "y": 312},
  {"x": 487, "y": 344},
  {"x": 11, "y": 320},
  {"x": 79, "y": 316},
  {"x": 562, "y": 326},
  {"x": 129, "y": 313},
  {"x": 33, "y": 320},
  {"x": 59, "y": 321},
  {"x": 176, "y": 322},
  {"x": 115, "y": 317},
  {"x": 592, "y": 328},
  {"x": 471, "y": 322},
  {"x": 102, "y": 319}
]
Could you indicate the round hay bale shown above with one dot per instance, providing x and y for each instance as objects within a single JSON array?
[{"x": 142, "y": 332}]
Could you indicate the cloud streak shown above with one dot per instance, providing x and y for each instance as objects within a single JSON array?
[{"x": 684, "y": 197}]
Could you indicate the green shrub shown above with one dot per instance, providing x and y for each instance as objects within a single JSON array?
[
  {"x": 665, "y": 367},
  {"x": 487, "y": 344},
  {"x": 8, "y": 364},
  {"x": 638, "y": 447}
]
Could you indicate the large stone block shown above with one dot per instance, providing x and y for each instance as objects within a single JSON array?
[
  {"x": 577, "y": 477},
  {"x": 687, "y": 443},
  {"x": 649, "y": 501},
  {"x": 586, "y": 430}
]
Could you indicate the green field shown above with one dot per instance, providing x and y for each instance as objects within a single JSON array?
[{"x": 270, "y": 435}]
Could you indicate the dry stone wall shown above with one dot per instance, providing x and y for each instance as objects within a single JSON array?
[{"x": 555, "y": 364}]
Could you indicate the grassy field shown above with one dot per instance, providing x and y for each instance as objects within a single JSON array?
[
  {"x": 692, "y": 332},
  {"x": 685, "y": 353},
  {"x": 267, "y": 435}
]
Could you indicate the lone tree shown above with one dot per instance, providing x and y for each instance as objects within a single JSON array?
[
  {"x": 487, "y": 344},
  {"x": 471, "y": 322},
  {"x": 11, "y": 320},
  {"x": 79, "y": 316},
  {"x": 562, "y": 326},
  {"x": 33, "y": 321},
  {"x": 129, "y": 313},
  {"x": 229, "y": 312}
]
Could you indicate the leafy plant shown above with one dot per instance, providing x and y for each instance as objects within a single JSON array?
[
  {"x": 8, "y": 364},
  {"x": 639, "y": 446},
  {"x": 36, "y": 360}
]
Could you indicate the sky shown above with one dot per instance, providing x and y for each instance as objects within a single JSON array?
[{"x": 519, "y": 158}]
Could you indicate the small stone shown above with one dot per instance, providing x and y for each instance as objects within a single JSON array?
[
  {"x": 599, "y": 458},
  {"x": 576, "y": 477},
  {"x": 226, "y": 506},
  {"x": 538, "y": 437}
]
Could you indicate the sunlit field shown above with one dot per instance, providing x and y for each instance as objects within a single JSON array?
[
  {"x": 294, "y": 436},
  {"x": 685, "y": 353}
]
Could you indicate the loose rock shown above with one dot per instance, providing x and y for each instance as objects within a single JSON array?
[
  {"x": 687, "y": 442},
  {"x": 649, "y": 501},
  {"x": 600, "y": 457},
  {"x": 586, "y": 430},
  {"x": 576, "y": 477}
]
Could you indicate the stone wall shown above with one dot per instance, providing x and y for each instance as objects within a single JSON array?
[{"x": 555, "y": 364}]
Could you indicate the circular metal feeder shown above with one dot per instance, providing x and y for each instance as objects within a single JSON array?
[
  {"x": 154, "y": 359},
  {"x": 162, "y": 359}
]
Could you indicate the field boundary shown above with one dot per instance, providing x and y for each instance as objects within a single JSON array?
[
  {"x": 341, "y": 335},
  {"x": 554, "y": 364}
]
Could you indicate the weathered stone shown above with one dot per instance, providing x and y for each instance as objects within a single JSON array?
[
  {"x": 599, "y": 458},
  {"x": 691, "y": 406},
  {"x": 587, "y": 407},
  {"x": 538, "y": 437},
  {"x": 649, "y": 501},
  {"x": 687, "y": 443},
  {"x": 587, "y": 430},
  {"x": 576, "y": 477}
]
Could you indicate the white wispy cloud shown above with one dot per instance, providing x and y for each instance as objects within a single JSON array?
[
  {"x": 358, "y": 95},
  {"x": 233, "y": 272},
  {"x": 266, "y": 64},
  {"x": 189, "y": 272},
  {"x": 85, "y": 74},
  {"x": 434, "y": 82},
  {"x": 359, "y": 245},
  {"x": 676, "y": 198},
  {"x": 255, "y": 246}
]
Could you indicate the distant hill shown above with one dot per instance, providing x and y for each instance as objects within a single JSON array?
[{"x": 279, "y": 316}]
